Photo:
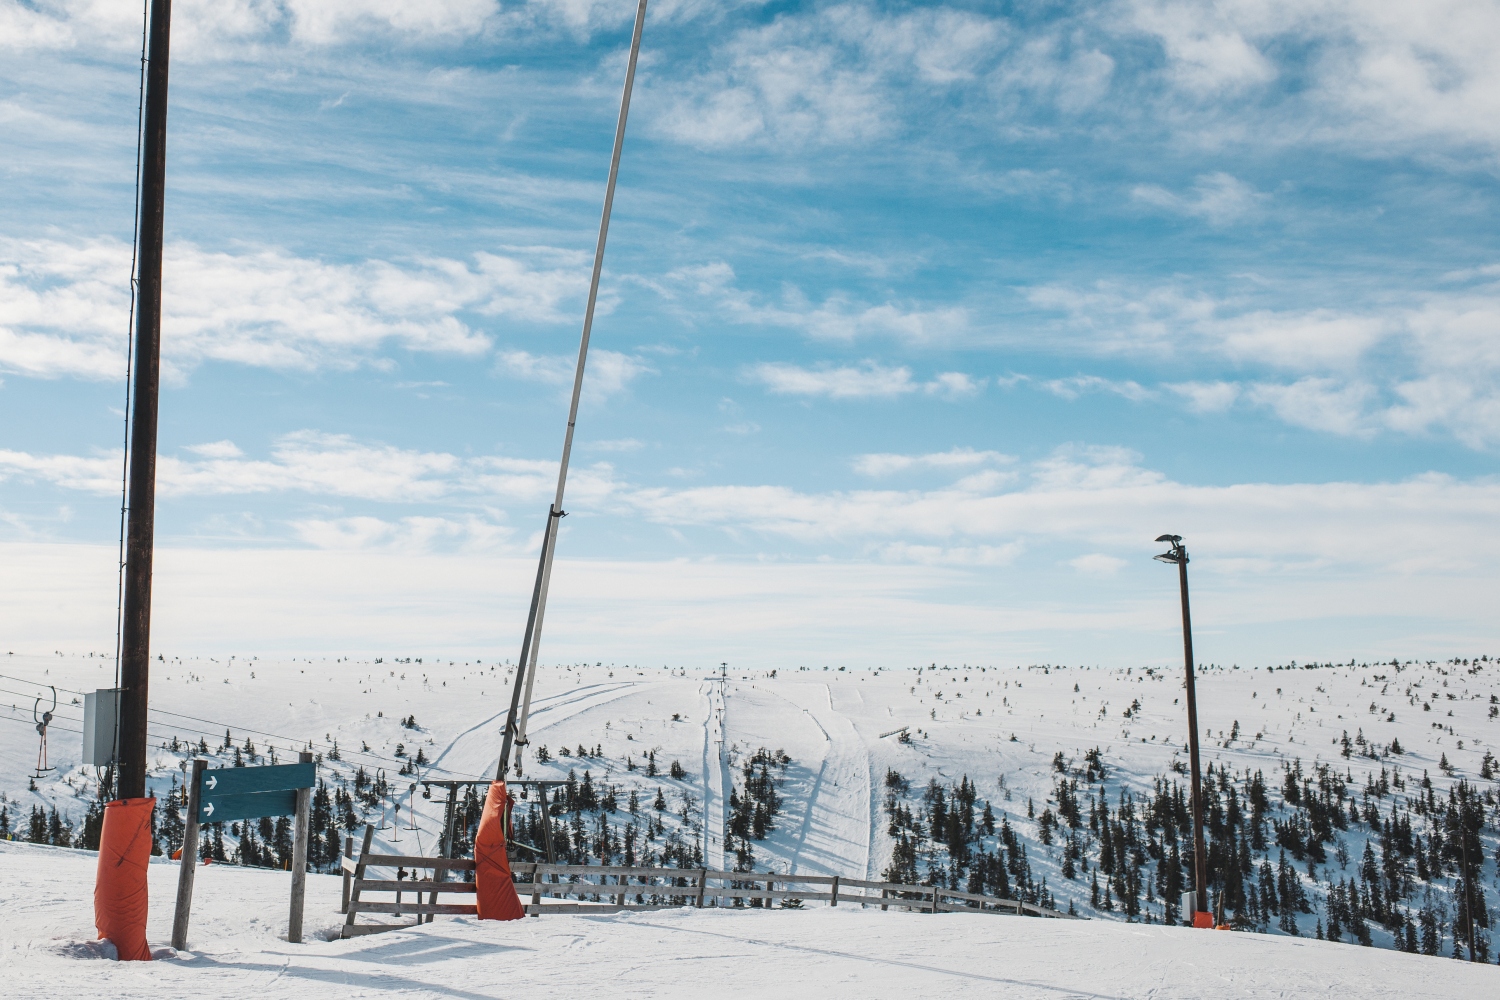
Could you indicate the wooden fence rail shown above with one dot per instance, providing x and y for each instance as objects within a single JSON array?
[{"x": 601, "y": 889}]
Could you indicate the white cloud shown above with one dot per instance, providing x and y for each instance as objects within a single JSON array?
[
  {"x": 415, "y": 534},
  {"x": 607, "y": 373},
  {"x": 1207, "y": 397},
  {"x": 831, "y": 76},
  {"x": 1105, "y": 500},
  {"x": 307, "y": 461},
  {"x": 64, "y": 306},
  {"x": 885, "y": 463},
  {"x": 1320, "y": 404},
  {"x": 1077, "y": 385},
  {"x": 216, "y": 449},
  {"x": 1097, "y": 564},
  {"x": 233, "y": 29},
  {"x": 617, "y": 444},
  {"x": 1426, "y": 363},
  {"x": 1218, "y": 198},
  {"x": 1380, "y": 75},
  {"x": 868, "y": 380},
  {"x": 954, "y": 385}
]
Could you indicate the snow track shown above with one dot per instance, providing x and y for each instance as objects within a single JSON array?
[
  {"x": 835, "y": 833},
  {"x": 476, "y": 751}
]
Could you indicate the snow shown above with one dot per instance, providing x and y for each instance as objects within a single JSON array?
[
  {"x": 238, "y": 950},
  {"x": 999, "y": 725}
]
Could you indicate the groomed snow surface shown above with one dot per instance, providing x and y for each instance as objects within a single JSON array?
[
  {"x": 238, "y": 950},
  {"x": 999, "y": 726}
]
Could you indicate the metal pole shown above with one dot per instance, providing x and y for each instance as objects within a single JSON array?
[
  {"x": 135, "y": 640},
  {"x": 299, "y": 858},
  {"x": 446, "y": 848},
  {"x": 189, "y": 868},
  {"x": 512, "y": 718},
  {"x": 1200, "y": 858},
  {"x": 532, "y": 639}
]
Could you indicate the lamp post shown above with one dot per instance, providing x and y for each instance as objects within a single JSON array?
[{"x": 1178, "y": 554}]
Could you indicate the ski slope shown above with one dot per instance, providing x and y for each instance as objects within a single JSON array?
[
  {"x": 1001, "y": 727},
  {"x": 238, "y": 952}
]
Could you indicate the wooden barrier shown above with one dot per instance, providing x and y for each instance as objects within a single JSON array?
[{"x": 651, "y": 888}]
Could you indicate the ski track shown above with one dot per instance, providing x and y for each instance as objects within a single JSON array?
[
  {"x": 578, "y": 700},
  {"x": 835, "y": 833}
]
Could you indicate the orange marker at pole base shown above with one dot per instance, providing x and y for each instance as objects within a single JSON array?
[
  {"x": 120, "y": 901},
  {"x": 1203, "y": 920},
  {"x": 496, "y": 891}
]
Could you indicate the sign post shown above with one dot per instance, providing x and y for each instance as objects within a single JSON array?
[
  {"x": 225, "y": 794},
  {"x": 299, "y": 858},
  {"x": 189, "y": 855}
]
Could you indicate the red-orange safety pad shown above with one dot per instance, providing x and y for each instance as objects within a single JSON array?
[
  {"x": 493, "y": 885},
  {"x": 120, "y": 886},
  {"x": 1203, "y": 920}
]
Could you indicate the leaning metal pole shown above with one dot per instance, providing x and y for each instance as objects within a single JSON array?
[
  {"x": 140, "y": 531},
  {"x": 1200, "y": 858},
  {"x": 515, "y": 724}
]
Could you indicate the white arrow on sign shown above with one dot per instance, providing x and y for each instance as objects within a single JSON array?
[
  {"x": 208, "y": 809},
  {"x": 210, "y": 782}
]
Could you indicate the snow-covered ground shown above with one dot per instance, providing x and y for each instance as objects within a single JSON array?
[
  {"x": 240, "y": 917},
  {"x": 1000, "y": 727}
]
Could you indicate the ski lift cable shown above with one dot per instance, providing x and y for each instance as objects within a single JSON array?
[{"x": 158, "y": 732}]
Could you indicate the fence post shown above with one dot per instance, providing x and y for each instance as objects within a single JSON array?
[
  {"x": 702, "y": 885},
  {"x": 189, "y": 869},
  {"x": 835, "y": 900},
  {"x": 935, "y": 891},
  {"x": 348, "y": 853},
  {"x": 359, "y": 874},
  {"x": 884, "y": 894}
]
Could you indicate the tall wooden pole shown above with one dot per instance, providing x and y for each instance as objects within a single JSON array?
[
  {"x": 1200, "y": 858},
  {"x": 515, "y": 722},
  {"x": 1178, "y": 554},
  {"x": 140, "y": 531}
]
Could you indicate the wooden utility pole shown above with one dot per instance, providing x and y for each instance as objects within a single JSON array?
[
  {"x": 1178, "y": 555},
  {"x": 140, "y": 531}
]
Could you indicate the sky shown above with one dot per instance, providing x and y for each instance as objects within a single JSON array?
[{"x": 918, "y": 323}]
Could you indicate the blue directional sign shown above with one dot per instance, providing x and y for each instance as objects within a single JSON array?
[{"x": 230, "y": 793}]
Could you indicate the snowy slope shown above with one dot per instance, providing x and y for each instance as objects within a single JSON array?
[
  {"x": 237, "y": 952},
  {"x": 999, "y": 727}
]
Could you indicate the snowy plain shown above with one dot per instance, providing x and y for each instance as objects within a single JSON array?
[
  {"x": 1001, "y": 727},
  {"x": 239, "y": 951}
]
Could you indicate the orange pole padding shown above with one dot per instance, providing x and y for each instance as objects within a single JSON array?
[
  {"x": 492, "y": 881},
  {"x": 1203, "y": 920},
  {"x": 120, "y": 886}
]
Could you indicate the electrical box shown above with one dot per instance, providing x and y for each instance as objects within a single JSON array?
[{"x": 101, "y": 714}]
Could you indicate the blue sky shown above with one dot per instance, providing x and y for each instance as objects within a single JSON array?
[{"x": 918, "y": 323}]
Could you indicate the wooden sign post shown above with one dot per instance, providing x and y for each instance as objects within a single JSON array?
[{"x": 231, "y": 793}]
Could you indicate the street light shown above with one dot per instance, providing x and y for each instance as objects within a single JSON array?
[{"x": 1178, "y": 554}]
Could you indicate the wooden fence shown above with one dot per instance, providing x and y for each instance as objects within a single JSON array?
[{"x": 603, "y": 889}]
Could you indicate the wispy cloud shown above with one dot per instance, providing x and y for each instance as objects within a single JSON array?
[
  {"x": 1219, "y": 198},
  {"x": 64, "y": 306},
  {"x": 868, "y": 380},
  {"x": 885, "y": 463}
]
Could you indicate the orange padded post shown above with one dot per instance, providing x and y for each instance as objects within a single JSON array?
[
  {"x": 120, "y": 886},
  {"x": 497, "y": 899},
  {"x": 1203, "y": 920}
]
